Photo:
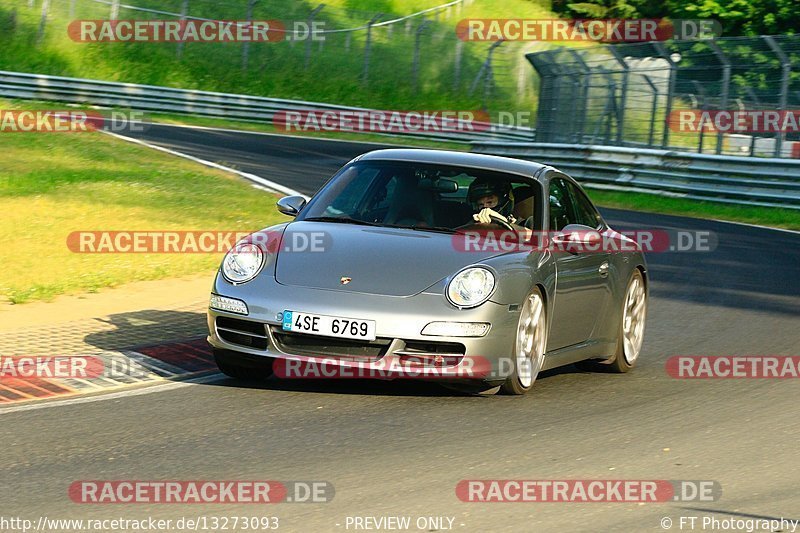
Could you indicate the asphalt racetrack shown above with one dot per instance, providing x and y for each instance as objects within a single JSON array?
[{"x": 400, "y": 448}]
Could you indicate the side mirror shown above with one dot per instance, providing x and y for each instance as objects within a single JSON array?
[
  {"x": 577, "y": 238},
  {"x": 291, "y": 205}
]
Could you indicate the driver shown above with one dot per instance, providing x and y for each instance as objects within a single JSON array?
[{"x": 491, "y": 198}]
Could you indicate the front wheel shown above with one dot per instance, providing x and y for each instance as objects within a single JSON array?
[
  {"x": 529, "y": 345},
  {"x": 631, "y": 335}
]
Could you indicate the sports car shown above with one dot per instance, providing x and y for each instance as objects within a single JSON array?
[{"x": 475, "y": 270}]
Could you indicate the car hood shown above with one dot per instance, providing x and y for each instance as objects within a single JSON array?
[{"x": 386, "y": 261}]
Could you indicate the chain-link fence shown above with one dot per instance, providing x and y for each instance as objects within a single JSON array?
[{"x": 632, "y": 95}]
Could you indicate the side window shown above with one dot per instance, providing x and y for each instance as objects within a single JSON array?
[
  {"x": 560, "y": 205},
  {"x": 585, "y": 212}
]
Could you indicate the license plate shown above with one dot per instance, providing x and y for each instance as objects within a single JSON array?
[{"x": 329, "y": 326}]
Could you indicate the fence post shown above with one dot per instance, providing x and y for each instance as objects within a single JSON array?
[
  {"x": 786, "y": 71},
  {"x": 457, "y": 69},
  {"x": 547, "y": 109},
  {"x": 485, "y": 73},
  {"x": 584, "y": 100},
  {"x": 373, "y": 20},
  {"x": 184, "y": 11},
  {"x": 71, "y": 9},
  {"x": 726, "y": 83},
  {"x": 624, "y": 93},
  {"x": 311, "y": 16},
  {"x": 246, "y": 45},
  {"x": 415, "y": 62},
  {"x": 757, "y": 101},
  {"x": 673, "y": 68},
  {"x": 609, "y": 108},
  {"x": 488, "y": 81},
  {"x": 114, "y": 15},
  {"x": 43, "y": 21},
  {"x": 653, "y": 109},
  {"x": 703, "y": 107}
]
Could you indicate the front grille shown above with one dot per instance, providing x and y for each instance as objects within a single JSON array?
[
  {"x": 242, "y": 332},
  {"x": 424, "y": 353},
  {"x": 445, "y": 348},
  {"x": 316, "y": 346}
]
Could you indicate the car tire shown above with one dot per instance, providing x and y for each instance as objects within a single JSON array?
[
  {"x": 236, "y": 366},
  {"x": 529, "y": 345},
  {"x": 631, "y": 330}
]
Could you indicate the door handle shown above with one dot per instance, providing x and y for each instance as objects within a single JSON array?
[{"x": 603, "y": 270}]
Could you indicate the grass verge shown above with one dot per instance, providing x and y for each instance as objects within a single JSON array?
[{"x": 54, "y": 184}]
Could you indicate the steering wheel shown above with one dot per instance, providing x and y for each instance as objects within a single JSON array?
[
  {"x": 499, "y": 221},
  {"x": 502, "y": 222}
]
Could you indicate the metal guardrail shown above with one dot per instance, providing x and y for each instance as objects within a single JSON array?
[
  {"x": 730, "y": 179},
  {"x": 737, "y": 180},
  {"x": 239, "y": 107}
]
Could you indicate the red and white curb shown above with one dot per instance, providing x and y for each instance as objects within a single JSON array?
[{"x": 125, "y": 368}]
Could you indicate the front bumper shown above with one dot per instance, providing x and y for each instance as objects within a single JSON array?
[{"x": 399, "y": 346}]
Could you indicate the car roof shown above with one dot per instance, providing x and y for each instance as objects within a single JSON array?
[{"x": 463, "y": 159}]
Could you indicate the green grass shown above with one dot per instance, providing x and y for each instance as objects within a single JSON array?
[
  {"x": 766, "y": 216},
  {"x": 278, "y": 69},
  {"x": 54, "y": 184}
]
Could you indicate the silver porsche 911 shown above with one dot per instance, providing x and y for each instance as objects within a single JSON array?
[{"x": 474, "y": 270}]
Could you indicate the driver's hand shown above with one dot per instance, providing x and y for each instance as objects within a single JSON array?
[{"x": 486, "y": 214}]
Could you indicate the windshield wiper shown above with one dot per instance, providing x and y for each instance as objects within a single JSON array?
[
  {"x": 435, "y": 229},
  {"x": 343, "y": 220},
  {"x": 348, "y": 220}
]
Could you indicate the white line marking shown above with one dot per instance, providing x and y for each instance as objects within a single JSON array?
[
  {"x": 265, "y": 183},
  {"x": 172, "y": 385}
]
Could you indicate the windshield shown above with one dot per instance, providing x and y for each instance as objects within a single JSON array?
[{"x": 422, "y": 196}]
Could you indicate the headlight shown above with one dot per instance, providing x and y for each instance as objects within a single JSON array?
[
  {"x": 470, "y": 287},
  {"x": 242, "y": 263}
]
